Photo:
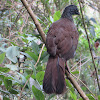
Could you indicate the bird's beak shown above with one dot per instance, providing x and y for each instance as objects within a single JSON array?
[{"x": 78, "y": 13}]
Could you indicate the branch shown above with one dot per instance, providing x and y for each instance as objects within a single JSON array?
[
  {"x": 76, "y": 85},
  {"x": 40, "y": 30},
  {"x": 89, "y": 44},
  {"x": 85, "y": 86},
  {"x": 37, "y": 24},
  {"x": 39, "y": 55}
]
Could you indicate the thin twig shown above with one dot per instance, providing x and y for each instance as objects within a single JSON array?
[
  {"x": 31, "y": 72},
  {"x": 39, "y": 55},
  {"x": 79, "y": 68},
  {"x": 78, "y": 63},
  {"x": 89, "y": 44},
  {"x": 85, "y": 86},
  {"x": 85, "y": 62}
]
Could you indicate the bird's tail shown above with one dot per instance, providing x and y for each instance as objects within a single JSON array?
[{"x": 54, "y": 81}]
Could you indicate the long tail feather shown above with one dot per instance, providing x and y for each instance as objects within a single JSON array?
[{"x": 54, "y": 81}]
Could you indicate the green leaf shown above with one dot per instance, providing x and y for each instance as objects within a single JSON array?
[
  {"x": 4, "y": 69},
  {"x": 35, "y": 48},
  {"x": 92, "y": 31},
  {"x": 34, "y": 70},
  {"x": 13, "y": 91},
  {"x": 25, "y": 40},
  {"x": 35, "y": 83},
  {"x": 99, "y": 97},
  {"x": 5, "y": 92},
  {"x": 28, "y": 71},
  {"x": 8, "y": 83},
  {"x": 84, "y": 88},
  {"x": 93, "y": 20},
  {"x": 0, "y": 82},
  {"x": 73, "y": 96},
  {"x": 90, "y": 97},
  {"x": 75, "y": 72},
  {"x": 2, "y": 57},
  {"x": 22, "y": 77},
  {"x": 13, "y": 43},
  {"x": 57, "y": 16},
  {"x": 80, "y": 99},
  {"x": 12, "y": 67},
  {"x": 5, "y": 98},
  {"x": 2, "y": 77},
  {"x": 8, "y": 1},
  {"x": 39, "y": 68},
  {"x": 37, "y": 93},
  {"x": 19, "y": 33},
  {"x": 69, "y": 85},
  {"x": 40, "y": 76},
  {"x": 44, "y": 57},
  {"x": 20, "y": 21},
  {"x": 12, "y": 52},
  {"x": 24, "y": 35},
  {"x": 33, "y": 76},
  {"x": 32, "y": 55}
]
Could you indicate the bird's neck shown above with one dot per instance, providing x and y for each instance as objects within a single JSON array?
[{"x": 68, "y": 16}]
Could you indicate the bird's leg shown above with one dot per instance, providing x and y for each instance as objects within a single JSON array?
[{"x": 66, "y": 67}]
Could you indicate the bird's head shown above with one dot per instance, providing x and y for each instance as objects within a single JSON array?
[{"x": 70, "y": 10}]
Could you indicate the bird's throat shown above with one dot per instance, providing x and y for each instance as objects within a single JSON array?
[{"x": 68, "y": 16}]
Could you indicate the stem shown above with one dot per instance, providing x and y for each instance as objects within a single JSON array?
[{"x": 89, "y": 44}]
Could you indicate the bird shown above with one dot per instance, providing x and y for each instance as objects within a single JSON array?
[{"x": 61, "y": 42}]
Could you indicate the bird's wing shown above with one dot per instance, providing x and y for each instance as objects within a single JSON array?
[
  {"x": 50, "y": 41},
  {"x": 62, "y": 39}
]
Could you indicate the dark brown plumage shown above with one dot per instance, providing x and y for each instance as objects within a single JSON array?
[{"x": 61, "y": 43}]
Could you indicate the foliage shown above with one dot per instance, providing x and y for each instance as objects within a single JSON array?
[{"x": 20, "y": 46}]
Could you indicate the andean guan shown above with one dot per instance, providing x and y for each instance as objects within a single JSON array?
[{"x": 61, "y": 43}]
